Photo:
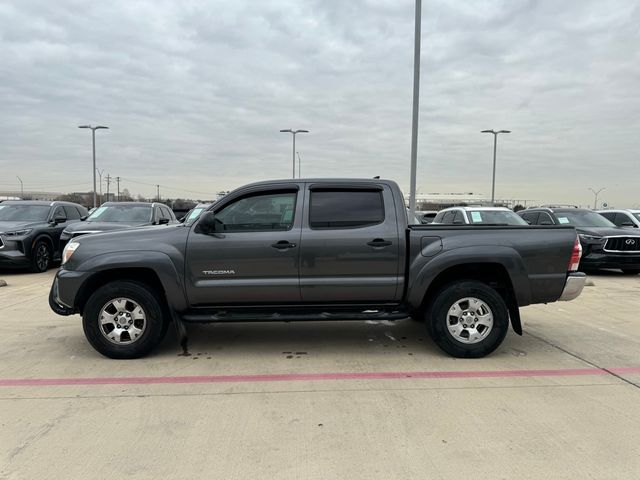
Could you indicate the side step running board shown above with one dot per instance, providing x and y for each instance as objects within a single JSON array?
[{"x": 238, "y": 316}]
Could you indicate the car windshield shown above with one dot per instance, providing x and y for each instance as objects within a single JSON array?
[
  {"x": 583, "y": 218},
  {"x": 23, "y": 213},
  {"x": 122, "y": 213},
  {"x": 193, "y": 214},
  {"x": 495, "y": 216}
]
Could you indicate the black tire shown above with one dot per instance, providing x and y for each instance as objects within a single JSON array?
[
  {"x": 631, "y": 271},
  {"x": 151, "y": 304},
  {"x": 437, "y": 318},
  {"x": 40, "y": 257}
]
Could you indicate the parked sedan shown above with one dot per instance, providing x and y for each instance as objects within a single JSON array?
[
  {"x": 603, "y": 244},
  {"x": 30, "y": 232},
  {"x": 118, "y": 216},
  {"x": 478, "y": 216}
]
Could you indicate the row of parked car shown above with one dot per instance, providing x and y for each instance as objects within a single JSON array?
[
  {"x": 609, "y": 238},
  {"x": 34, "y": 233}
]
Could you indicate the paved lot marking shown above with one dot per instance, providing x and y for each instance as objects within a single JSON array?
[{"x": 302, "y": 377}]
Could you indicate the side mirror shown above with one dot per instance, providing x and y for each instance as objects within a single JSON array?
[
  {"x": 163, "y": 221},
  {"x": 528, "y": 222},
  {"x": 207, "y": 223},
  {"x": 59, "y": 219},
  {"x": 83, "y": 218},
  {"x": 546, "y": 223},
  {"x": 629, "y": 224}
]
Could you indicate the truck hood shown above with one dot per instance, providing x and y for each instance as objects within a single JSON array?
[
  {"x": 11, "y": 226},
  {"x": 101, "y": 226},
  {"x": 607, "y": 231}
]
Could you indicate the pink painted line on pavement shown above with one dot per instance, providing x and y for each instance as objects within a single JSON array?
[{"x": 301, "y": 377}]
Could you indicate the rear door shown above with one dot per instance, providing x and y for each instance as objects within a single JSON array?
[
  {"x": 350, "y": 245},
  {"x": 254, "y": 257}
]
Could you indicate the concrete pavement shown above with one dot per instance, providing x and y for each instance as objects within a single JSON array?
[{"x": 559, "y": 402}]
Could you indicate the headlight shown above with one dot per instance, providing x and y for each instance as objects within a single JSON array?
[
  {"x": 591, "y": 238},
  {"x": 68, "y": 251},
  {"x": 18, "y": 233}
]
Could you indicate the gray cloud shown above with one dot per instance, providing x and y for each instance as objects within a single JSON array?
[{"x": 195, "y": 93}]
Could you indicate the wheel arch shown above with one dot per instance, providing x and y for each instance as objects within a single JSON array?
[{"x": 493, "y": 274}]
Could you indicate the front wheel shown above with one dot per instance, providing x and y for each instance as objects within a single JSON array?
[
  {"x": 41, "y": 257},
  {"x": 468, "y": 319},
  {"x": 124, "y": 319}
]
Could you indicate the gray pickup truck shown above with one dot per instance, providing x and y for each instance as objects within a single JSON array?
[{"x": 320, "y": 249}]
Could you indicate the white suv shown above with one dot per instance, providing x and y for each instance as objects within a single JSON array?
[
  {"x": 478, "y": 216},
  {"x": 622, "y": 218}
]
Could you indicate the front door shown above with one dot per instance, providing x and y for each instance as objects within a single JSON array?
[{"x": 253, "y": 256}]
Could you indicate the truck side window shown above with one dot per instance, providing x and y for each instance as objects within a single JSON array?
[
  {"x": 255, "y": 213},
  {"x": 458, "y": 218},
  {"x": 345, "y": 208}
]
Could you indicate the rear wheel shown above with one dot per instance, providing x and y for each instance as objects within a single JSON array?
[
  {"x": 631, "y": 271},
  {"x": 40, "y": 257},
  {"x": 468, "y": 319},
  {"x": 124, "y": 319}
]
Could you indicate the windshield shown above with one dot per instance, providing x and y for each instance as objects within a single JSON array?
[
  {"x": 194, "y": 214},
  {"x": 122, "y": 213},
  {"x": 495, "y": 216},
  {"x": 583, "y": 218},
  {"x": 23, "y": 213}
]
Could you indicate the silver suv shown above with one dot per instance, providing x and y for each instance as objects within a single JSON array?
[{"x": 622, "y": 217}]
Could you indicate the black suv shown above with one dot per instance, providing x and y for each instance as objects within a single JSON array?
[
  {"x": 112, "y": 216},
  {"x": 30, "y": 232},
  {"x": 603, "y": 244}
]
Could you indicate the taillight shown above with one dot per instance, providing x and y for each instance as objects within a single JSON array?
[{"x": 574, "y": 263}]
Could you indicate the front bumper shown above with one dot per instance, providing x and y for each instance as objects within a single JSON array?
[
  {"x": 64, "y": 291},
  {"x": 610, "y": 260},
  {"x": 573, "y": 286},
  {"x": 13, "y": 258}
]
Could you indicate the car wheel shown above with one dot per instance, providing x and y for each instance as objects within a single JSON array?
[
  {"x": 40, "y": 257},
  {"x": 124, "y": 319},
  {"x": 467, "y": 319},
  {"x": 631, "y": 271}
]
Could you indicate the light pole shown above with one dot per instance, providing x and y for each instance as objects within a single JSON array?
[
  {"x": 495, "y": 143},
  {"x": 596, "y": 193},
  {"x": 93, "y": 143},
  {"x": 293, "y": 153},
  {"x": 21, "y": 188},
  {"x": 416, "y": 103},
  {"x": 100, "y": 172},
  {"x": 299, "y": 168}
]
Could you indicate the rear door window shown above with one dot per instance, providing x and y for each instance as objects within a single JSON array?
[
  {"x": 545, "y": 219},
  {"x": 344, "y": 208}
]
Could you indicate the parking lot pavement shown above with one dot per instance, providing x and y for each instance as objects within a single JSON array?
[{"x": 325, "y": 400}]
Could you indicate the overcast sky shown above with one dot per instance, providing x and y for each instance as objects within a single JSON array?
[{"x": 195, "y": 92}]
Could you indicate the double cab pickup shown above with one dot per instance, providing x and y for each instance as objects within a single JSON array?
[{"x": 314, "y": 249}]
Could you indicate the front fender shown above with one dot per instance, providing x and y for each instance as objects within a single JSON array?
[{"x": 160, "y": 263}]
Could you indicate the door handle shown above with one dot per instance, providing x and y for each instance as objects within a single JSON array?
[
  {"x": 283, "y": 245},
  {"x": 379, "y": 242}
]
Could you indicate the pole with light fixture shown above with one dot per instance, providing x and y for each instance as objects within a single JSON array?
[
  {"x": 93, "y": 144},
  {"x": 293, "y": 154},
  {"x": 495, "y": 144}
]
